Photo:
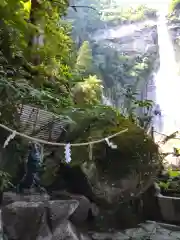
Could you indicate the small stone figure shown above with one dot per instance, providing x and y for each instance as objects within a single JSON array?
[{"x": 31, "y": 177}]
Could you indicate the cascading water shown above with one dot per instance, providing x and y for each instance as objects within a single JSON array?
[
  {"x": 106, "y": 101},
  {"x": 167, "y": 84},
  {"x": 167, "y": 81}
]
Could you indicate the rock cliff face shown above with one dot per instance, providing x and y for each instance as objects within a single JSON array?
[
  {"x": 133, "y": 39},
  {"x": 138, "y": 43}
]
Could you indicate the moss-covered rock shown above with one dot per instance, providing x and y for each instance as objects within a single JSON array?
[{"x": 110, "y": 171}]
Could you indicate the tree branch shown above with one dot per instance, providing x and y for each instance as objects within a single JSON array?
[{"x": 81, "y": 6}]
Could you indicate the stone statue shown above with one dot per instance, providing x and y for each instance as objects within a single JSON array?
[{"x": 31, "y": 177}]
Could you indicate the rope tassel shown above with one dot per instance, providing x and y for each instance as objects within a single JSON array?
[
  {"x": 68, "y": 153},
  {"x": 11, "y": 137},
  {"x": 90, "y": 152},
  {"x": 110, "y": 144}
]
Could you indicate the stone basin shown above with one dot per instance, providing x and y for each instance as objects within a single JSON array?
[{"x": 170, "y": 208}]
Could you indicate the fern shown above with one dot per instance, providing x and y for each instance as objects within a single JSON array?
[{"x": 4, "y": 180}]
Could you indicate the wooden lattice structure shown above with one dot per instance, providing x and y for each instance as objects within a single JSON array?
[{"x": 40, "y": 123}]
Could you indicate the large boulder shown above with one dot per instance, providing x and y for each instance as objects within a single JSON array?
[
  {"x": 112, "y": 174},
  {"x": 23, "y": 220},
  {"x": 86, "y": 210}
]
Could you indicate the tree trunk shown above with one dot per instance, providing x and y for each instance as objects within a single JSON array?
[{"x": 35, "y": 39}]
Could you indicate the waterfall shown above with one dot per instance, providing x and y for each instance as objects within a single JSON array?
[
  {"x": 106, "y": 101},
  {"x": 167, "y": 90},
  {"x": 167, "y": 81}
]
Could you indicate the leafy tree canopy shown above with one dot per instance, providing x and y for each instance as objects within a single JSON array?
[
  {"x": 174, "y": 5},
  {"x": 36, "y": 54}
]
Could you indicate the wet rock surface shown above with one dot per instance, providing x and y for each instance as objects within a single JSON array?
[
  {"x": 50, "y": 220},
  {"x": 10, "y": 197},
  {"x": 38, "y": 220},
  {"x": 132, "y": 38},
  {"x": 84, "y": 209},
  {"x": 149, "y": 230}
]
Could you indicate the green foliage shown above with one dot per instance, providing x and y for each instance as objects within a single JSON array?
[
  {"x": 128, "y": 14},
  {"x": 88, "y": 92},
  {"x": 174, "y": 5},
  {"x": 171, "y": 182},
  {"x": 121, "y": 72},
  {"x": 116, "y": 68},
  {"x": 143, "y": 120},
  {"x": 34, "y": 73},
  {"x": 4, "y": 181},
  {"x": 86, "y": 20},
  {"x": 135, "y": 149},
  {"x": 14, "y": 27},
  {"x": 84, "y": 59},
  {"x": 170, "y": 186},
  {"x": 164, "y": 186},
  {"x": 135, "y": 152},
  {"x": 169, "y": 137},
  {"x": 173, "y": 173},
  {"x": 38, "y": 66}
]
